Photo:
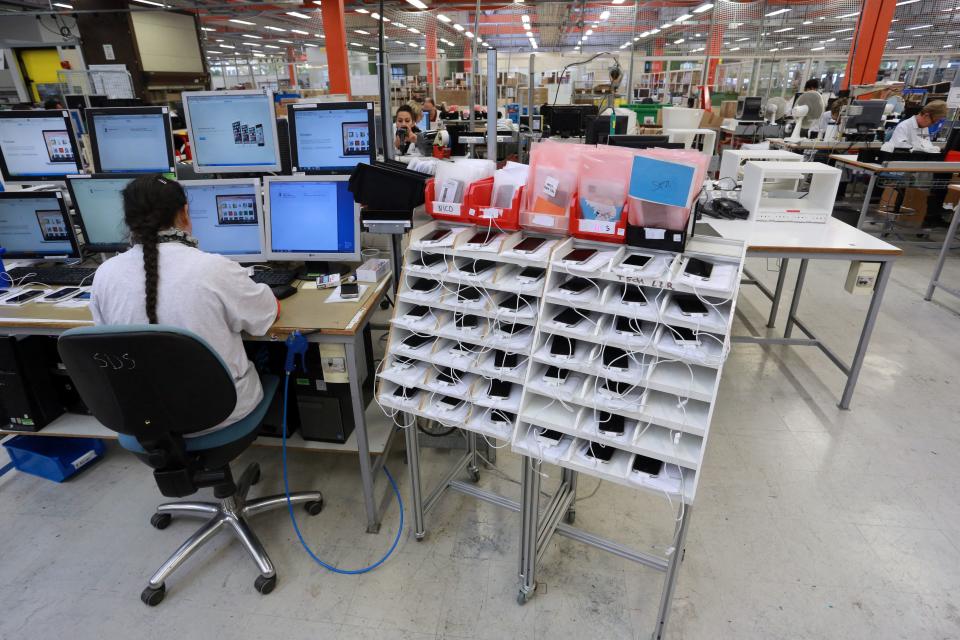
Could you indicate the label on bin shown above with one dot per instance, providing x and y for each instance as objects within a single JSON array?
[
  {"x": 84, "y": 459},
  {"x": 446, "y": 208},
  {"x": 550, "y": 186},
  {"x": 598, "y": 226},
  {"x": 491, "y": 212},
  {"x": 544, "y": 220}
]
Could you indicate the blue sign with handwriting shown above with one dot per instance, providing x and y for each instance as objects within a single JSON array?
[{"x": 661, "y": 181}]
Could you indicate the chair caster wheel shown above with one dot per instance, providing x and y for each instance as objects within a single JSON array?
[
  {"x": 522, "y": 598},
  {"x": 571, "y": 517},
  {"x": 160, "y": 521},
  {"x": 153, "y": 596},
  {"x": 265, "y": 585},
  {"x": 474, "y": 475},
  {"x": 314, "y": 507}
]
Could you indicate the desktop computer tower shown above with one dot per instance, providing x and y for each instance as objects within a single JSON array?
[{"x": 29, "y": 394}]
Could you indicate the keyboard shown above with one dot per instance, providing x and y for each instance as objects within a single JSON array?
[
  {"x": 74, "y": 276},
  {"x": 273, "y": 277}
]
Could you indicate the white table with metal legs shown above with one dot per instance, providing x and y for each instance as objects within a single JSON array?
[{"x": 944, "y": 251}]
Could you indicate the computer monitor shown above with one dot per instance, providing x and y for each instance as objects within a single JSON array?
[
  {"x": 749, "y": 109},
  {"x": 311, "y": 219},
  {"x": 35, "y": 225},
  {"x": 331, "y": 137},
  {"x": 98, "y": 201},
  {"x": 227, "y": 217},
  {"x": 76, "y": 116},
  {"x": 37, "y": 146},
  {"x": 598, "y": 128},
  {"x": 644, "y": 142},
  {"x": 564, "y": 120},
  {"x": 76, "y": 101},
  {"x": 870, "y": 119},
  {"x": 232, "y": 131},
  {"x": 130, "y": 139}
]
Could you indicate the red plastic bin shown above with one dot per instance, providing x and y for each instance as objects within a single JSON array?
[
  {"x": 613, "y": 232},
  {"x": 477, "y": 201},
  {"x": 449, "y": 211}
]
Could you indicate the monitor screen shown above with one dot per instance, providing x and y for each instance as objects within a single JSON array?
[
  {"x": 226, "y": 217},
  {"x": 36, "y": 225},
  {"x": 330, "y": 138},
  {"x": 312, "y": 219},
  {"x": 131, "y": 140},
  {"x": 98, "y": 200},
  {"x": 232, "y": 131},
  {"x": 37, "y": 146}
]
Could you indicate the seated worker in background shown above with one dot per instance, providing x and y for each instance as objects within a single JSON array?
[
  {"x": 429, "y": 106},
  {"x": 52, "y": 104},
  {"x": 912, "y": 133},
  {"x": 165, "y": 279},
  {"x": 405, "y": 131},
  {"x": 830, "y": 117}
]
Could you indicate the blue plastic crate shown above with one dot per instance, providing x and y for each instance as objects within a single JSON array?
[{"x": 53, "y": 458}]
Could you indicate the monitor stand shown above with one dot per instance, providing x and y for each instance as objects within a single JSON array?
[{"x": 312, "y": 269}]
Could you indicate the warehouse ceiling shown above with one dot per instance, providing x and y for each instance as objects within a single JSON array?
[{"x": 766, "y": 28}]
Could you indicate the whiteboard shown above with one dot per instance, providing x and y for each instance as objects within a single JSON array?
[{"x": 167, "y": 41}]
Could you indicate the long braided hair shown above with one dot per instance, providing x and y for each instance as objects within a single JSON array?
[{"x": 150, "y": 205}]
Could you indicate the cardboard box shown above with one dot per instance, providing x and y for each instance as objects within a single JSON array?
[
  {"x": 459, "y": 97},
  {"x": 728, "y": 109},
  {"x": 914, "y": 205}
]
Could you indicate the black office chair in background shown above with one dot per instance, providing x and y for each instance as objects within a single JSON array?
[{"x": 154, "y": 385}]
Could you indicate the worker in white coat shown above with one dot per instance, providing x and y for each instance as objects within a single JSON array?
[{"x": 912, "y": 133}]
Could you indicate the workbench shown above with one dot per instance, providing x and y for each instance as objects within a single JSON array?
[{"x": 944, "y": 250}]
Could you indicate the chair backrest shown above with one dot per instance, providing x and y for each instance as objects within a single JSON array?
[
  {"x": 680, "y": 118},
  {"x": 148, "y": 380}
]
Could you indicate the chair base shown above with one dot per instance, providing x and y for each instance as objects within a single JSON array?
[{"x": 231, "y": 513}]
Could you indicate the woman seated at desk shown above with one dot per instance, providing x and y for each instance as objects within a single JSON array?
[
  {"x": 405, "y": 131},
  {"x": 165, "y": 279}
]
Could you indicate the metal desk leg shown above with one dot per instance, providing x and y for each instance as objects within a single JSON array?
[
  {"x": 412, "y": 435},
  {"x": 871, "y": 320},
  {"x": 866, "y": 200},
  {"x": 473, "y": 467},
  {"x": 673, "y": 568},
  {"x": 795, "y": 302},
  {"x": 570, "y": 477},
  {"x": 944, "y": 250},
  {"x": 396, "y": 252},
  {"x": 529, "y": 523},
  {"x": 354, "y": 351},
  {"x": 775, "y": 303}
]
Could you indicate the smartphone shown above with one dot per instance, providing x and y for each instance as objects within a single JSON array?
[
  {"x": 60, "y": 294},
  {"x": 636, "y": 261},
  {"x": 418, "y": 311},
  {"x": 405, "y": 392},
  {"x": 610, "y": 423},
  {"x": 483, "y": 238},
  {"x": 563, "y": 347},
  {"x": 576, "y": 285},
  {"x": 349, "y": 290},
  {"x": 403, "y": 362},
  {"x": 568, "y": 317},
  {"x": 437, "y": 235},
  {"x": 424, "y": 285},
  {"x": 85, "y": 296},
  {"x": 600, "y": 452},
  {"x": 555, "y": 375},
  {"x": 415, "y": 341},
  {"x": 504, "y": 360},
  {"x": 530, "y": 274},
  {"x": 579, "y": 256},
  {"x": 497, "y": 415},
  {"x": 468, "y": 294},
  {"x": 627, "y": 325},
  {"x": 616, "y": 388},
  {"x": 25, "y": 297},
  {"x": 514, "y": 303},
  {"x": 476, "y": 267},
  {"x": 449, "y": 376},
  {"x": 690, "y": 305},
  {"x": 465, "y": 348},
  {"x": 500, "y": 389},
  {"x": 633, "y": 294},
  {"x": 511, "y": 329},
  {"x": 615, "y": 358},
  {"x": 549, "y": 435},
  {"x": 449, "y": 403},
  {"x": 650, "y": 466},
  {"x": 427, "y": 260},
  {"x": 529, "y": 245},
  {"x": 698, "y": 268},
  {"x": 684, "y": 336},
  {"x": 465, "y": 321}
]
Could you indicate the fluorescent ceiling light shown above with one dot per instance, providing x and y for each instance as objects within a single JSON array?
[
  {"x": 250, "y": 44},
  {"x": 774, "y": 49},
  {"x": 272, "y": 28},
  {"x": 906, "y": 46},
  {"x": 297, "y": 14},
  {"x": 412, "y": 30},
  {"x": 803, "y": 37},
  {"x": 524, "y": 18},
  {"x": 735, "y": 49},
  {"x": 653, "y": 31},
  {"x": 777, "y": 12},
  {"x": 310, "y": 44},
  {"x": 259, "y": 55},
  {"x": 399, "y": 25},
  {"x": 529, "y": 34},
  {"x": 679, "y": 41},
  {"x": 617, "y": 1},
  {"x": 417, "y": 4},
  {"x": 853, "y": 15},
  {"x": 400, "y": 42},
  {"x": 374, "y": 48},
  {"x": 250, "y": 35},
  {"x": 442, "y": 18},
  {"x": 533, "y": 44},
  {"x": 151, "y": 3},
  {"x": 589, "y": 32},
  {"x": 303, "y": 33},
  {"x": 785, "y": 29},
  {"x": 485, "y": 44},
  {"x": 947, "y": 46},
  {"x": 604, "y": 15},
  {"x": 285, "y": 41},
  {"x": 217, "y": 53},
  {"x": 64, "y": 5},
  {"x": 414, "y": 45},
  {"x": 469, "y": 34},
  {"x": 684, "y": 17},
  {"x": 843, "y": 30},
  {"x": 320, "y": 35},
  {"x": 786, "y": 48},
  {"x": 703, "y": 7},
  {"x": 59, "y": 4},
  {"x": 227, "y": 46},
  {"x": 742, "y": 39},
  {"x": 358, "y": 10},
  {"x": 636, "y": 39},
  {"x": 900, "y": 4},
  {"x": 458, "y": 27},
  {"x": 817, "y": 48},
  {"x": 922, "y": 26},
  {"x": 237, "y": 21},
  {"x": 734, "y": 25},
  {"x": 271, "y": 46},
  {"x": 811, "y": 21},
  {"x": 361, "y": 32},
  {"x": 356, "y": 44}
]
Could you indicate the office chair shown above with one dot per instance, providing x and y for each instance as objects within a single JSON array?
[{"x": 154, "y": 385}]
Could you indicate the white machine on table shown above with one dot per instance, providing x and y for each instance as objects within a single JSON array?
[
  {"x": 732, "y": 160},
  {"x": 763, "y": 203}
]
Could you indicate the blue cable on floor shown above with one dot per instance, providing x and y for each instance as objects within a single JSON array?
[{"x": 296, "y": 345}]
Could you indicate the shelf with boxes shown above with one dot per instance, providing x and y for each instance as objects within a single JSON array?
[
  {"x": 463, "y": 330},
  {"x": 626, "y": 361}
]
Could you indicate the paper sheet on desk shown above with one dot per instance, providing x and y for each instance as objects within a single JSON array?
[{"x": 335, "y": 295}]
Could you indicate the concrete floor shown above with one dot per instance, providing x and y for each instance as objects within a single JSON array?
[{"x": 810, "y": 522}]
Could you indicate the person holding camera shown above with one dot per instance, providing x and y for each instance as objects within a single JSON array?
[{"x": 406, "y": 130}]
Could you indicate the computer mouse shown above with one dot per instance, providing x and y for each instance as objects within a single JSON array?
[{"x": 282, "y": 291}]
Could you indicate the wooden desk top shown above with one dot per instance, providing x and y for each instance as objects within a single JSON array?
[
  {"x": 832, "y": 237},
  {"x": 899, "y": 166},
  {"x": 305, "y": 311},
  {"x": 820, "y": 145}
]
